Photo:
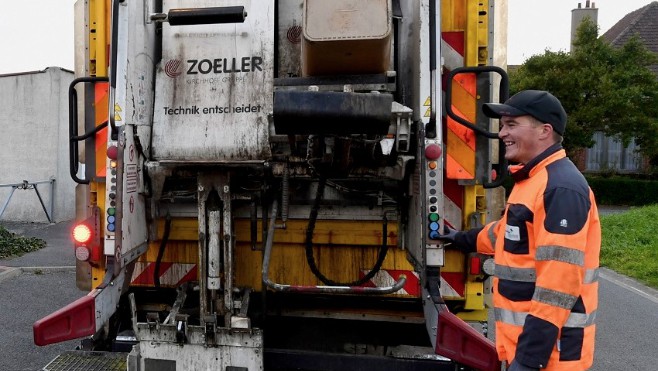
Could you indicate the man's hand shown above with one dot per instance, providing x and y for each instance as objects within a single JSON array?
[
  {"x": 515, "y": 366},
  {"x": 448, "y": 234}
]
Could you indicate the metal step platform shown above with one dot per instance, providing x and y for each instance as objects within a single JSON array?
[{"x": 77, "y": 360}]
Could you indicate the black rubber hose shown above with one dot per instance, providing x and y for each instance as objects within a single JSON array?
[
  {"x": 309, "y": 245},
  {"x": 163, "y": 244}
]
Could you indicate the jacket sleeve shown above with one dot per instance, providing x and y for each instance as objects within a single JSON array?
[
  {"x": 480, "y": 240},
  {"x": 467, "y": 240},
  {"x": 560, "y": 230},
  {"x": 486, "y": 238}
]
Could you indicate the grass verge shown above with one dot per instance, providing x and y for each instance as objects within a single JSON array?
[
  {"x": 629, "y": 243},
  {"x": 12, "y": 244}
]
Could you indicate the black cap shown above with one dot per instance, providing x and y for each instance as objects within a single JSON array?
[{"x": 542, "y": 105}]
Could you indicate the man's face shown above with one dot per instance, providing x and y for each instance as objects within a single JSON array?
[{"x": 522, "y": 138}]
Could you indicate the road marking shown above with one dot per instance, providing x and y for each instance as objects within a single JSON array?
[
  {"x": 9, "y": 272},
  {"x": 608, "y": 275}
]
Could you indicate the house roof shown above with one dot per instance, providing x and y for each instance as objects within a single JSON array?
[{"x": 643, "y": 22}]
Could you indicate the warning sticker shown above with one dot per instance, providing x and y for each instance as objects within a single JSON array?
[
  {"x": 428, "y": 102},
  {"x": 131, "y": 178}
]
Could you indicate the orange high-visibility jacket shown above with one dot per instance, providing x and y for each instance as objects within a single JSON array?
[{"x": 546, "y": 249}]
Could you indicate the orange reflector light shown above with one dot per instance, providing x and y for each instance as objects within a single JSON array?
[
  {"x": 432, "y": 165},
  {"x": 81, "y": 233}
]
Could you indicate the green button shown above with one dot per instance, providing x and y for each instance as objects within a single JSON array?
[
  {"x": 111, "y": 211},
  {"x": 434, "y": 217}
]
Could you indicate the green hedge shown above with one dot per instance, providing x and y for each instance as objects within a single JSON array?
[{"x": 617, "y": 190}]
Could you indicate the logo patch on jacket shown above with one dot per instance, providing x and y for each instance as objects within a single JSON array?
[
  {"x": 564, "y": 223},
  {"x": 512, "y": 233}
]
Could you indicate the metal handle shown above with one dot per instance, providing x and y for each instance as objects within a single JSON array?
[
  {"x": 214, "y": 15},
  {"x": 316, "y": 289},
  {"x": 503, "y": 94},
  {"x": 74, "y": 138}
]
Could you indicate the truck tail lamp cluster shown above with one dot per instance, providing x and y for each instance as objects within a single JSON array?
[{"x": 86, "y": 239}]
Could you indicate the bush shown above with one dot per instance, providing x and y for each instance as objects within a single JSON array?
[
  {"x": 616, "y": 190},
  {"x": 12, "y": 244}
]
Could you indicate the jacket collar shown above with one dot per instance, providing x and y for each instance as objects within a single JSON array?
[{"x": 521, "y": 172}]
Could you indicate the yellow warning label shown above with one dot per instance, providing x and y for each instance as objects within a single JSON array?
[
  {"x": 117, "y": 109},
  {"x": 428, "y": 113},
  {"x": 428, "y": 102}
]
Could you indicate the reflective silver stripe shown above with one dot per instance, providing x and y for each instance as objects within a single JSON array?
[
  {"x": 591, "y": 276},
  {"x": 561, "y": 254},
  {"x": 491, "y": 235},
  {"x": 529, "y": 274},
  {"x": 515, "y": 274},
  {"x": 510, "y": 317},
  {"x": 554, "y": 298},
  {"x": 579, "y": 320}
]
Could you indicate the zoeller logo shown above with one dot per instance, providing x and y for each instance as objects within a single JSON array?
[
  {"x": 172, "y": 68},
  {"x": 224, "y": 65}
]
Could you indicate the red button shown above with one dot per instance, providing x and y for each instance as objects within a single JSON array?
[
  {"x": 112, "y": 152},
  {"x": 433, "y": 152}
]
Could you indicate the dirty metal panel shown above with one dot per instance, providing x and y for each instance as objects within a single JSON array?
[
  {"x": 214, "y": 87},
  {"x": 231, "y": 348},
  {"x": 290, "y": 37}
]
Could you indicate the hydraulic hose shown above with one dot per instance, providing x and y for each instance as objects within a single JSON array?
[
  {"x": 163, "y": 244},
  {"x": 309, "y": 244}
]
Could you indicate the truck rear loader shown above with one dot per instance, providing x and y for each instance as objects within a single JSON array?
[{"x": 262, "y": 185}]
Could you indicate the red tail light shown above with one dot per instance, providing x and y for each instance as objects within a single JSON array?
[
  {"x": 81, "y": 233},
  {"x": 475, "y": 265},
  {"x": 87, "y": 239}
]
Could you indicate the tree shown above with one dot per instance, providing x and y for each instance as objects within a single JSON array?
[{"x": 601, "y": 87}]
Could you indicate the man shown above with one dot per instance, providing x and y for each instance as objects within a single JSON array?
[{"x": 546, "y": 246}]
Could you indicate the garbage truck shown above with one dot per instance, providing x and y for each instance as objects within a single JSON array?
[{"x": 262, "y": 184}]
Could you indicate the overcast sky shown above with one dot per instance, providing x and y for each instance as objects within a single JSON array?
[{"x": 35, "y": 34}]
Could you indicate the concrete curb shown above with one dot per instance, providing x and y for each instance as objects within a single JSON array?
[{"x": 7, "y": 273}]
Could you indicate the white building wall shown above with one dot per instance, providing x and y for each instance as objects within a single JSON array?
[{"x": 34, "y": 144}]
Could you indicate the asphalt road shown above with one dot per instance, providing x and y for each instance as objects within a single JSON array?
[
  {"x": 627, "y": 320},
  {"x": 47, "y": 285},
  {"x": 25, "y": 299},
  {"x": 627, "y": 325}
]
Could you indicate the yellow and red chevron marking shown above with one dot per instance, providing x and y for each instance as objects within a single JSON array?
[
  {"x": 460, "y": 141},
  {"x": 388, "y": 277},
  {"x": 171, "y": 274},
  {"x": 453, "y": 199},
  {"x": 101, "y": 103}
]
